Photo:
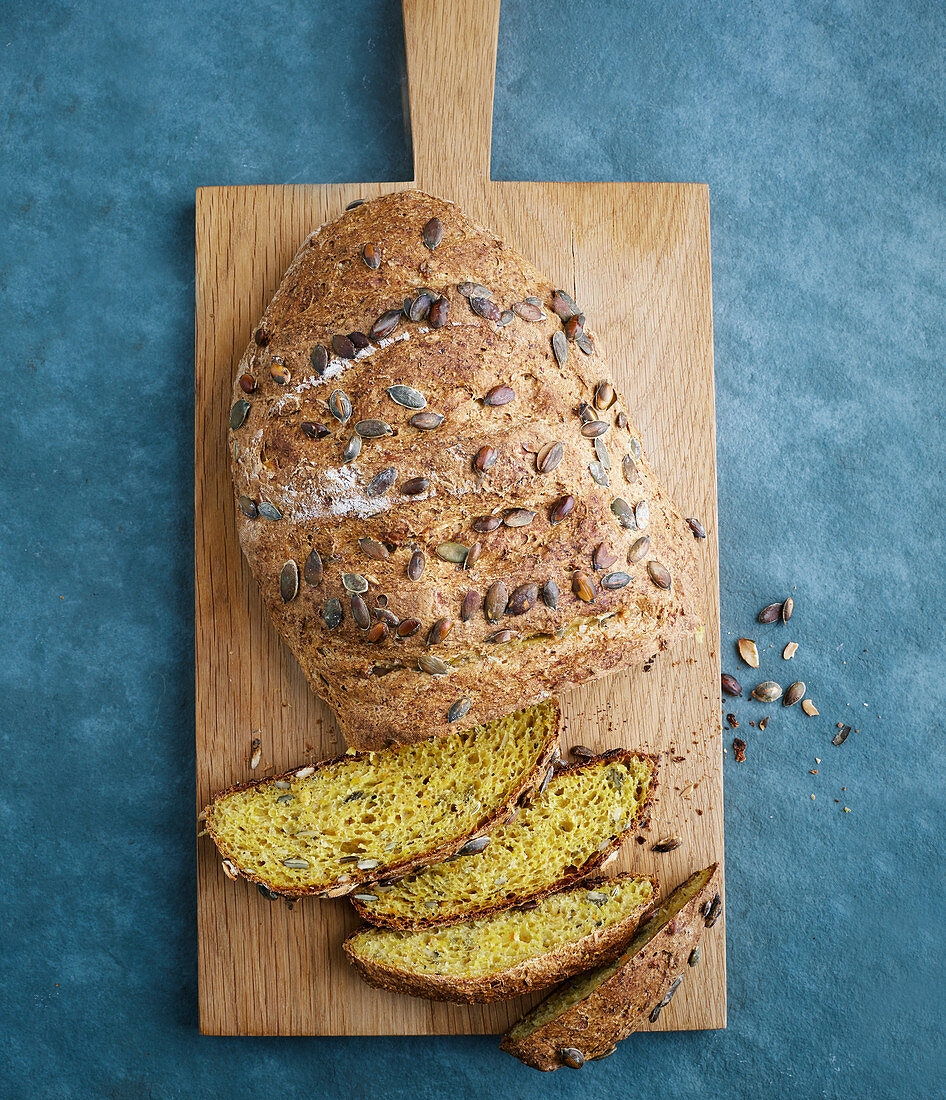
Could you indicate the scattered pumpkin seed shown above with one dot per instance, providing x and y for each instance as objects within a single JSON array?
[
  {"x": 572, "y": 1057},
  {"x": 373, "y": 429},
  {"x": 518, "y": 517},
  {"x": 371, "y": 254},
  {"x": 414, "y": 486},
  {"x": 296, "y": 864},
  {"x": 454, "y": 552},
  {"x": 604, "y": 455},
  {"x": 731, "y": 685},
  {"x": 528, "y": 311},
  {"x": 596, "y": 898},
  {"x": 459, "y": 710},
  {"x": 506, "y": 318},
  {"x": 586, "y": 413},
  {"x": 713, "y": 910},
  {"x": 256, "y": 749},
  {"x": 748, "y": 651},
  {"x": 549, "y": 457},
  {"x": 550, "y": 594},
  {"x": 503, "y": 635},
  {"x": 426, "y": 421},
  {"x": 486, "y": 308},
  {"x": 248, "y": 507},
  {"x": 841, "y": 736},
  {"x": 642, "y": 514},
  {"x": 560, "y": 348},
  {"x": 432, "y": 665},
  {"x": 247, "y": 383},
  {"x": 239, "y": 413},
  {"x": 415, "y": 567},
  {"x": 474, "y": 290},
  {"x": 385, "y": 616},
  {"x": 289, "y": 581},
  {"x": 269, "y": 511},
  {"x": 499, "y": 395},
  {"x": 699, "y": 531},
  {"x": 385, "y": 324},
  {"x": 604, "y": 396},
  {"x": 497, "y": 597},
  {"x": 437, "y": 317},
  {"x": 809, "y": 708},
  {"x": 629, "y": 468},
  {"x": 674, "y": 986},
  {"x": 594, "y": 428},
  {"x": 598, "y": 474},
  {"x": 373, "y": 549},
  {"x": 438, "y": 631},
  {"x": 613, "y": 581},
  {"x": 638, "y": 550},
  {"x": 343, "y": 347},
  {"x": 668, "y": 844},
  {"x": 360, "y": 612},
  {"x": 367, "y": 864},
  {"x": 477, "y": 844},
  {"x": 770, "y": 614},
  {"x": 355, "y": 203},
  {"x": 473, "y": 555},
  {"x": 279, "y": 372},
  {"x": 602, "y": 558},
  {"x": 339, "y": 405},
  {"x": 584, "y": 342},
  {"x": 312, "y": 570},
  {"x": 355, "y": 582},
  {"x": 522, "y": 599},
  {"x": 561, "y": 510},
  {"x": 261, "y": 336},
  {"x": 471, "y": 601},
  {"x": 564, "y": 305},
  {"x": 620, "y": 421},
  {"x": 407, "y": 628},
  {"x": 418, "y": 310},
  {"x": 407, "y": 397},
  {"x": 484, "y": 524},
  {"x": 787, "y": 608},
  {"x": 793, "y": 693},
  {"x": 581, "y": 752},
  {"x": 572, "y": 327},
  {"x": 365, "y": 897},
  {"x": 763, "y": 722},
  {"x": 382, "y": 482},
  {"x": 313, "y": 429},
  {"x": 789, "y": 651},
  {"x": 377, "y": 633},
  {"x": 624, "y": 513},
  {"x": 433, "y": 233},
  {"x": 352, "y": 449},
  {"x": 767, "y": 692},
  {"x": 583, "y": 586},
  {"x": 694, "y": 957},
  {"x": 659, "y": 574},
  {"x": 485, "y": 458}
]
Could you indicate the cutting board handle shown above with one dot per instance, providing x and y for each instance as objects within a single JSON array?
[{"x": 451, "y": 70}]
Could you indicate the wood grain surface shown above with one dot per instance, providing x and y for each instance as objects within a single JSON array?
[{"x": 637, "y": 258}]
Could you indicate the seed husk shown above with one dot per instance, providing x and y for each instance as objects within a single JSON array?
[
  {"x": 763, "y": 722},
  {"x": 459, "y": 710},
  {"x": 360, "y": 612},
  {"x": 549, "y": 457},
  {"x": 377, "y": 633},
  {"x": 248, "y": 507},
  {"x": 604, "y": 455},
  {"x": 312, "y": 570},
  {"x": 382, "y": 482},
  {"x": 667, "y": 844},
  {"x": 482, "y": 525},
  {"x": 473, "y": 555},
  {"x": 794, "y": 693},
  {"x": 642, "y": 514},
  {"x": 374, "y": 549},
  {"x": 518, "y": 517},
  {"x": 594, "y": 428},
  {"x": 499, "y": 395},
  {"x": 343, "y": 347},
  {"x": 731, "y": 685},
  {"x": 629, "y": 469},
  {"x": 269, "y": 511},
  {"x": 561, "y": 509},
  {"x": 659, "y": 574},
  {"x": 550, "y": 594},
  {"x": 333, "y": 613},
  {"x": 560, "y": 348},
  {"x": 371, "y": 254},
  {"x": 639, "y": 550},
  {"x": 339, "y": 405},
  {"x": 355, "y": 582},
  {"x": 485, "y": 458},
  {"x": 385, "y": 324},
  {"x": 426, "y": 421},
  {"x": 767, "y": 692},
  {"x": 699, "y": 531},
  {"x": 414, "y": 486},
  {"x": 586, "y": 344},
  {"x": 247, "y": 383},
  {"x": 748, "y": 651},
  {"x": 496, "y": 599},
  {"x": 487, "y": 308},
  {"x": 787, "y": 608},
  {"x": 471, "y": 601},
  {"x": 522, "y": 599},
  {"x": 433, "y": 233},
  {"x": 613, "y": 581},
  {"x": 583, "y": 586},
  {"x": 841, "y": 736},
  {"x": 437, "y": 317},
  {"x": 528, "y": 311},
  {"x": 313, "y": 429},
  {"x": 407, "y": 628},
  {"x": 809, "y": 708},
  {"x": 432, "y": 665},
  {"x": 564, "y": 305},
  {"x": 415, "y": 567},
  {"x": 407, "y": 396},
  {"x": 599, "y": 474},
  {"x": 454, "y": 552},
  {"x": 770, "y": 614},
  {"x": 239, "y": 413},
  {"x": 503, "y": 635},
  {"x": 373, "y": 429},
  {"x": 624, "y": 513},
  {"x": 572, "y": 1057},
  {"x": 352, "y": 449},
  {"x": 420, "y": 306}
]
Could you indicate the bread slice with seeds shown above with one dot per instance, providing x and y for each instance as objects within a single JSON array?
[
  {"x": 590, "y": 1014},
  {"x": 346, "y": 823},
  {"x": 565, "y": 834},
  {"x": 508, "y": 953}
]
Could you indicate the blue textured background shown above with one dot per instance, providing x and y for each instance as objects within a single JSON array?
[{"x": 820, "y": 130}]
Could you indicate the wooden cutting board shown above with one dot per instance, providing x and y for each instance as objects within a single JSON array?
[{"x": 637, "y": 258}]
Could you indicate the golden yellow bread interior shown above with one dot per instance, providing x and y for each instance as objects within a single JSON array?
[
  {"x": 581, "y": 812},
  {"x": 578, "y": 989},
  {"x": 496, "y": 943},
  {"x": 323, "y": 827}
]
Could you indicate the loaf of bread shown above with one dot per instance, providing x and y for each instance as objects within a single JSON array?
[
  {"x": 589, "y": 1015},
  {"x": 345, "y": 824},
  {"x": 508, "y": 953},
  {"x": 567, "y": 832},
  {"x": 439, "y": 491}
]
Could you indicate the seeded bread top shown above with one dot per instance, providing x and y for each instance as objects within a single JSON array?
[{"x": 438, "y": 489}]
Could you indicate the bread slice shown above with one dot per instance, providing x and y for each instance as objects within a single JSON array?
[
  {"x": 330, "y": 828},
  {"x": 508, "y": 953},
  {"x": 568, "y": 832},
  {"x": 590, "y": 1014}
]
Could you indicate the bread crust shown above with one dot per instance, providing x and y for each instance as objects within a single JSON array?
[
  {"x": 358, "y": 879},
  {"x": 618, "y": 1006},
  {"x": 376, "y": 688},
  {"x": 601, "y": 946},
  {"x": 591, "y": 866}
]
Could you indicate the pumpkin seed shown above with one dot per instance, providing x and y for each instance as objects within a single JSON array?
[
  {"x": 248, "y": 507},
  {"x": 748, "y": 652},
  {"x": 270, "y": 895},
  {"x": 373, "y": 549},
  {"x": 343, "y": 347},
  {"x": 414, "y": 486},
  {"x": 794, "y": 693},
  {"x": 613, "y": 581},
  {"x": 787, "y": 608},
  {"x": 289, "y": 581},
  {"x": 572, "y": 1057},
  {"x": 629, "y": 468},
  {"x": 239, "y": 413},
  {"x": 484, "y": 524},
  {"x": 339, "y": 405},
  {"x": 367, "y": 864},
  {"x": 585, "y": 343},
  {"x": 313, "y": 429},
  {"x": 371, "y": 254},
  {"x": 486, "y": 308},
  {"x": 659, "y": 574},
  {"x": 496, "y": 599},
  {"x": 763, "y": 722},
  {"x": 586, "y": 413},
  {"x": 407, "y": 397},
  {"x": 499, "y": 395},
  {"x": 385, "y": 324},
  {"x": 385, "y": 616},
  {"x": 581, "y": 752},
  {"x": 549, "y": 457},
  {"x": 373, "y": 429},
  {"x": 694, "y": 957},
  {"x": 635, "y": 445},
  {"x": 360, "y": 613},
  {"x": 359, "y": 340},
  {"x": 437, "y": 317},
  {"x": 770, "y": 614},
  {"x": 377, "y": 633},
  {"x": 604, "y": 395},
  {"x": 296, "y": 864},
  {"x": 642, "y": 514},
  {"x": 454, "y": 552},
  {"x": 528, "y": 312},
  {"x": 625, "y": 515},
  {"x": 365, "y": 897},
  {"x": 415, "y": 567},
  {"x": 269, "y": 511},
  {"x": 560, "y": 348},
  {"x": 432, "y": 665},
  {"x": 312, "y": 570},
  {"x": 604, "y": 455},
  {"x": 518, "y": 517},
  {"x": 767, "y": 692},
  {"x": 247, "y": 383},
  {"x": 550, "y": 594},
  {"x": 355, "y": 203},
  {"x": 433, "y": 233},
  {"x": 809, "y": 708},
  {"x": 381, "y": 482},
  {"x": 572, "y": 327},
  {"x": 731, "y": 685},
  {"x": 712, "y": 916},
  {"x": 594, "y": 428},
  {"x": 438, "y": 631},
  {"x": 279, "y": 372},
  {"x": 503, "y": 636},
  {"x": 426, "y": 421},
  {"x": 561, "y": 510},
  {"x": 459, "y": 710},
  {"x": 473, "y": 555},
  {"x": 842, "y": 735},
  {"x": 620, "y": 421},
  {"x": 533, "y": 300},
  {"x": 485, "y": 458},
  {"x": 471, "y": 601},
  {"x": 583, "y": 586},
  {"x": 602, "y": 558},
  {"x": 261, "y": 336},
  {"x": 407, "y": 628},
  {"x": 522, "y": 599},
  {"x": 355, "y": 582},
  {"x": 477, "y": 844},
  {"x": 789, "y": 651},
  {"x": 282, "y": 784},
  {"x": 564, "y": 305},
  {"x": 675, "y": 985},
  {"x": 352, "y": 449},
  {"x": 419, "y": 308},
  {"x": 599, "y": 474},
  {"x": 318, "y": 357},
  {"x": 699, "y": 531},
  {"x": 668, "y": 844},
  {"x": 474, "y": 290}
]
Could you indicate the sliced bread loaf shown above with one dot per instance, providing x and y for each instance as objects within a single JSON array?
[
  {"x": 590, "y": 1014},
  {"x": 561, "y": 837},
  {"x": 332, "y": 827},
  {"x": 508, "y": 953}
]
